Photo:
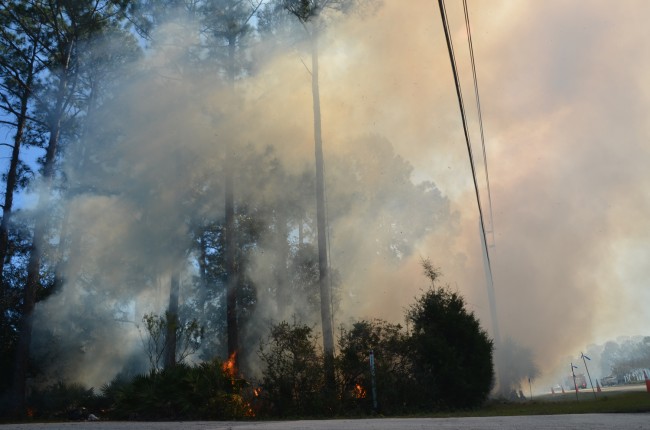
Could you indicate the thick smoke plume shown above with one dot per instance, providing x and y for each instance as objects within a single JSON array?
[{"x": 565, "y": 104}]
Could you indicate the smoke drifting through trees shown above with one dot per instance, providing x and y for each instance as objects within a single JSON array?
[
  {"x": 147, "y": 208},
  {"x": 150, "y": 174}
]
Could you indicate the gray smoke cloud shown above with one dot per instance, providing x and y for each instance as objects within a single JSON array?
[{"x": 564, "y": 100}]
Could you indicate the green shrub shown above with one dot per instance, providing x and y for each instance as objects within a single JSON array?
[
  {"x": 63, "y": 401},
  {"x": 182, "y": 392},
  {"x": 393, "y": 383},
  {"x": 451, "y": 354},
  {"x": 444, "y": 363},
  {"x": 293, "y": 378}
]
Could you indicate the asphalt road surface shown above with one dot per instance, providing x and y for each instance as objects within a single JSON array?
[{"x": 538, "y": 422}]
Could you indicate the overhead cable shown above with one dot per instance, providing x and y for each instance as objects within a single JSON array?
[
  {"x": 480, "y": 116},
  {"x": 454, "y": 69}
]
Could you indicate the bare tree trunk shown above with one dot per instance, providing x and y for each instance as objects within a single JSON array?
[
  {"x": 12, "y": 174},
  {"x": 12, "y": 178},
  {"x": 283, "y": 297},
  {"x": 172, "y": 320},
  {"x": 33, "y": 281},
  {"x": 321, "y": 221},
  {"x": 236, "y": 27},
  {"x": 231, "y": 270},
  {"x": 71, "y": 243},
  {"x": 230, "y": 236},
  {"x": 203, "y": 272}
]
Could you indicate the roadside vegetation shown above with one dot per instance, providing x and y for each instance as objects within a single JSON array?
[
  {"x": 120, "y": 401},
  {"x": 440, "y": 367},
  {"x": 442, "y": 363}
]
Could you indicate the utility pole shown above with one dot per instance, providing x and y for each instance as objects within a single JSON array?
[
  {"x": 373, "y": 382},
  {"x": 584, "y": 357},
  {"x": 575, "y": 385}
]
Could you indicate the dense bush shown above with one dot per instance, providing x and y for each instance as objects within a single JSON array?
[
  {"x": 393, "y": 382},
  {"x": 444, "y": 362},
  {"x": 182, "y": 392},
  {"x": 293, "y": 378},
  {"x": 63, "y": 401},
  {"x": 451, "y": 354}
]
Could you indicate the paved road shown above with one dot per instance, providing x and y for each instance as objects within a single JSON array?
[{"x": 539, "y": 422}]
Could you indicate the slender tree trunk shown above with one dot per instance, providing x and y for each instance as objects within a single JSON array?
[
  {"x": 12, "y": 174},
  {"x": 323, "y": 266},
  {"x": 283, "y": 298},
  {"x": 231, "y": 270},
  {"x": 230, "y": 236},
  {"x": 172, "y": 320},
  {"x": 33, "y": 281},
  {"x": 66, "y": 268},
  {"x": 203, "y": 272},
  {"x": 32, "y": 285},
  {"x": 12, "y": 178}
]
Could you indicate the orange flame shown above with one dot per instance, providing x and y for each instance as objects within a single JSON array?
[
  {"x": 359, "y": 391},
  {"x": 30, "y": 412},
  {"x": 229, "y": 367},
  {"x": 253, "y": 406}
]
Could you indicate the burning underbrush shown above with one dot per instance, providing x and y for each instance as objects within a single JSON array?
[
  {"x": 443, "y": 362},
  {"x": 182, "y": 392}
]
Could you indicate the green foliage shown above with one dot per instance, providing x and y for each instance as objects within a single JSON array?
[
  {"x": 293, "y": 378},
  {"x": 444, "y": 363},
  {"x": 8, "y": 341},
  {"x": 394, "y": 385},
  {"x": 308, "y": 10},
  {"x": 451, "y": 354},
  {"x": 182, "y": 392},
  {"x": 63, "y": 401}
]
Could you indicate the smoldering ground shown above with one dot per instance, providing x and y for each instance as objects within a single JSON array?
[{"x": 563, "y": 106}]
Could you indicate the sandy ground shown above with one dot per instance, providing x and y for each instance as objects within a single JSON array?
[{"x": 540, "y": 422}]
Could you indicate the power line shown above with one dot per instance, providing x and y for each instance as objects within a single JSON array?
[
  {"x": 480, "y": 116},
  {"x": 487, "y": 262},
  {"x": 452, "y": 58}
]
